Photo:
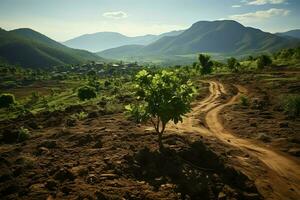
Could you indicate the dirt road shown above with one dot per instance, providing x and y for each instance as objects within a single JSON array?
[{"x": 281, "y": 173}]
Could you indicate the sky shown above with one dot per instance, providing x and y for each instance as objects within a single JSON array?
[{"x": 65, "y": 19}]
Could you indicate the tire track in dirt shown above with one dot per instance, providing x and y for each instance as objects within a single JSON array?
[{"x": 281, "y": 179}]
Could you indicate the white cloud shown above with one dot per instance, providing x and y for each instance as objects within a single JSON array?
[
  {"x": 260, "y": 15},
  {"x": 236, "y": 6},
  {"x": 263, "y": 2},
  {"x": 115, "y": 15}
]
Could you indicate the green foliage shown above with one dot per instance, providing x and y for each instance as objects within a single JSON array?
[
  {"x": 6, "y": 100},
  {"x": 162, "y": 97},
  {"x": 23, "y": 135},
  {"x": 80, "y": 116},
  {"x": 263, "y": 61},
  {"x": 291, "y": 105},
  {"x": 206, "y": 64},
  {"x": 86, "y": 92},
  {"x": 244, "y": 100},
  {"x": 233, "y": 64}
]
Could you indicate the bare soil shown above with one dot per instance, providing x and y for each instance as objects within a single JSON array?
[{"x": 109, "y": 157}]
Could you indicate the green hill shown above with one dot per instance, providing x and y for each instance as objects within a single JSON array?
[
  {"x": 224, "y": 37},
  {"x": 28, "y": 48}
]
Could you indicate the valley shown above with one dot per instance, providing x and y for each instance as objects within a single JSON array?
[{"x": 149, "y": 100}]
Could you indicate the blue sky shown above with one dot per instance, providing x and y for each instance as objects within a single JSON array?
[{"x": 65, "y": 19}]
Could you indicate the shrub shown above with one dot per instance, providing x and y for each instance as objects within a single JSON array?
[
  {"x": 244, "y": 100},
  {"x": 86, "y": 92},
  {"x": 6, "y": 100},
  {"x": 233, "y": 64},
  {"x": 206, "y": 64},
  {"x": 291, "y": 105},
  {"x": 24, "y": 134},
  {"x": 263, "y": 61}
]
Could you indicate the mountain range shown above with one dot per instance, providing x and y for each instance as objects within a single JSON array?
[
  {"x": 105, "y": 40},
  {"x": 28, "y": 48},
  {"x": 291, "y": 33},
  {"x": 221, "y": 39},
  {"x": 224, "y": 37}
]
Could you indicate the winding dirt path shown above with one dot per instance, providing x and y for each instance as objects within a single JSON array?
[{"x": 281, "y": 177}]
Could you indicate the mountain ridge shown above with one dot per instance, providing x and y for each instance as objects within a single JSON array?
[
  {"x": 221, "y": 36},
  {"x": 30, "y": 48},
  {"x": 99, "y": 41}
]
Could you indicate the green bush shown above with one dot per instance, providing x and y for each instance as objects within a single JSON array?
[
  {"x": 6, "y": 100},
  {"x": 206, "y": 64},
  {"x": 263, "y": 61},
  {"x": 244, "y": 101},
  {"x": 80, "y": 116},
  {"x": 291, "y": 105},
  {"x": 24, "y": 134},
  {"x": 86, "y": 92}
]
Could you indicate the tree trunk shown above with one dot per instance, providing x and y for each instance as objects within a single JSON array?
[
  {"x": 161, "y": 146},
  {"x": 160, "y": 133}
]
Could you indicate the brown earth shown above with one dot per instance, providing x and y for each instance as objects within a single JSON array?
[
  {"x": 276, "y": 174},
  {"x": 108, "y": 157}
]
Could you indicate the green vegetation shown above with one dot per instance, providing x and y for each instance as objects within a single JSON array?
[
  {"x": 233, "y": 64},
  {"x": 263, "y": 61},
  {"x": 23, "y": 135},
  {"x": 206, "y": 64},
  {"x": 162, "y": 97},
  {"x": 6, "y": 100},
  {"x": 29, "y": 48},
  {"x": 291, "y": 105},
  {"x": 86, "y": 92},
  {"x": 80, "y": 116},
  {"x": 203, "y": 36},
  {"x": 244, "y": 100}
]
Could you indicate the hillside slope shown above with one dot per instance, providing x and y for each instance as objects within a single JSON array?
[
  {"x": 220, "y": 37},
  {"x": 105, "y": 40},
  {"x": 29, "y": 48},
  {"x": 291, "y": 33}
]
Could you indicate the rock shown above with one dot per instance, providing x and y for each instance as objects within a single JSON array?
[
  {"x": 63, "y": 175},
  {"x": 50, "y": 144},
  {"x": 51, "y": 185},
  {"x": 294, "y": 151}
]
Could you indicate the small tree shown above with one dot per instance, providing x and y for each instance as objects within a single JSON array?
[
  {"x": 206, "y": 64},
  {"x": 163, "y": 97},
  {"x": 86, "y": 92},
  {"x": 6, "y": 100},
  {"x": 233, "y": 64},
  {"x": 263, "y": 61}
]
